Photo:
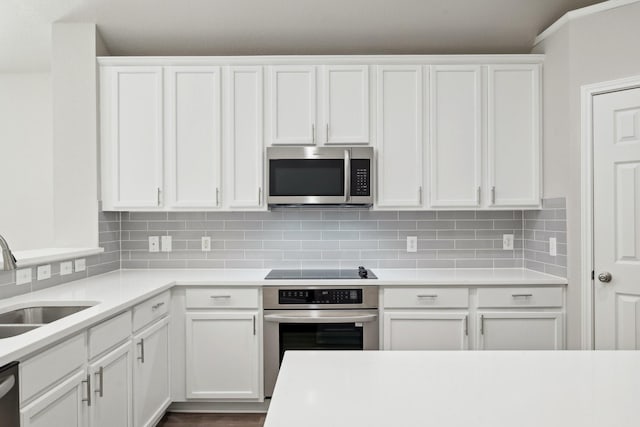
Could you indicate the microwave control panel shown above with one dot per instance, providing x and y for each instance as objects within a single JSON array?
[
  {"x": 320, "y": 296},
  {"x": 360, "y": 177}
]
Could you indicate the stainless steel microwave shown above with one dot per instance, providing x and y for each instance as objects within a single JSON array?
[{"x": 319, "y": 176}]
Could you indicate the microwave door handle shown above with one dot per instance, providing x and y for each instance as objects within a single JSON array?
[
  {"x": 329, "y": 319},
  {"x": 347, "y": 175}
]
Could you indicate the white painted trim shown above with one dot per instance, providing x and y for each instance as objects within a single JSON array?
[
  {"x": 586, "y": 232},
  {"x": 321, "y": 59},
  {"x": 579, "y": 13}
]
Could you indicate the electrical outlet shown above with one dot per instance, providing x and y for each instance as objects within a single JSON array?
[
  {"x": 66, "y": 268},
  {"x": 81, "y": 264},
  {"x": 44, "y": 272},
  {"x": 412, "y": 243},
  {"x": 553, "y": 247},
  {"x": 166, "y": 243},
  {"x": 206, "y": 244},
  {"x": 507, "y": 242},
  {"x": 154, "y": 244},
  {"x": 23, "y": 276}
]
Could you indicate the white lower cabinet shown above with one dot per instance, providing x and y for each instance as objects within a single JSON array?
[
  {"x": 520, "y": 330},
  {"x": 64, "y": 405},
  {"x": 151, "y": 390},
  {"x": 112, "y": 398},
  {"x": 483, "y": 318},
  {"x": 222, "y": 355},
  {"x": 425, "y": 331}
]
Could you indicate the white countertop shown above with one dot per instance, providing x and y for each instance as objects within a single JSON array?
[
  {"x": 116, "y": 291},
  {"x": 457, "y": 389}
]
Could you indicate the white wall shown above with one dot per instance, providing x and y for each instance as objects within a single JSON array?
[
  {"x": 75, "y": 172},
  {"x": 591, "y": 49},
  {"x": 26, "y": 160}
]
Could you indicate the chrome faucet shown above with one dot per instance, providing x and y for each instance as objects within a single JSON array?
[{"x": 9, "y": 261}]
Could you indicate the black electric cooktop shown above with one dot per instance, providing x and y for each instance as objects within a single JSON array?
[{"x": 355, "y": 273}]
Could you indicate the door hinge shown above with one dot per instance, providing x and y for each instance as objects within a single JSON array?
[{"x": 593, "y": 275}]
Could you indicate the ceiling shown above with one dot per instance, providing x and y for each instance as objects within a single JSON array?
[{"x": 250, "y": 27}]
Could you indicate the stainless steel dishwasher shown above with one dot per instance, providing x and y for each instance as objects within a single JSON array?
[{"x": 9, "y": 402}]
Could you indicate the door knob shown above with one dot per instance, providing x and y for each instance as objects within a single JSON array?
[{"x": 604, "y": 277}]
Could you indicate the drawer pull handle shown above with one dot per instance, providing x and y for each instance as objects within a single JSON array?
[
  {"x": 428, "y": 296},
  {"x": 141, "y": 344},
  {"x": 88, "y": 383},
  {"x": 157, "y": 306},
  {"x": 100, "y": 375},
  {"x": 220, "y": 296},
  {"x": 521, "y": 295}
]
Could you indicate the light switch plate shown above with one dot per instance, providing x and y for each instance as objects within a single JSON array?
[
  {"x": 23, "y": 276},
  {"x": 44, "y": 272},
  {"x": 507, "y": 242},
  {"x": 553, "y": 247},
  {"x": 206, "y": 244},
  {"x": 154, "y": 244},
  {"x": 166, "y": 243},
  {"x": 81, "y": 265},
  {"x": 412, "y": 243},
  {"x": 66, "y": 268}
]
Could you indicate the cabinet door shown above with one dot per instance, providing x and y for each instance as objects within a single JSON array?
[
  {"x": 193, "y": 137},
  {"x": 222, "y": 356},
  {"x": 425, "y": 331},
  {"x": 112, "y": 390},
  {"x": 244, "y": 141},
  {"x": 65, "y": 405},
  {"x": 399, "y": 136},
  {"x": 346, "y": 104},
  {"x": 520, "y": 331},
  {"x": 293, "y": 105},
  {"x": 455, "y": 163},
  {"x": 151, "y": 392},
  {"x": 514, "y": 135},
  {"x": 133, "y": 136}
]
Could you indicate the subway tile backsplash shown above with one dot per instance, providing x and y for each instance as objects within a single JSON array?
[
  {"x": 324, "y": 238},
  {"x": 108, "y": 238}
]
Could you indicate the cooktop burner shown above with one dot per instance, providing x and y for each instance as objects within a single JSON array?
[{"x": 360, "y": 273}]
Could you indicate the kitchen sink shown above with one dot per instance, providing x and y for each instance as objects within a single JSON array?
[
  {"x": 39, "y": 315},
  {"x": 7, "y": 331}
]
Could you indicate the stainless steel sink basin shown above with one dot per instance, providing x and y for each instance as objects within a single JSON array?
[
  {"x": 7, "y": 331},
  {"x": 38, "y": 315}
]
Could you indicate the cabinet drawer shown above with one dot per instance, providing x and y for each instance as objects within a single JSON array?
[
  {"x": 426, "y": 298},
  {"x": 44, "y": 370},
  {"x": 150, "y": 310},
  {"x": 222, "y": 298},
  {"x": 109, "y": 333},
  {"x": 519, "y": 297}
]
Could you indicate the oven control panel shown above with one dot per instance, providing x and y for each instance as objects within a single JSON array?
[{"x": 320, "y": 296}]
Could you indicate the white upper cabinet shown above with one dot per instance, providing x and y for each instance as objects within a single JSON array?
[
  {"x": 346, "y": 104},
  {"x": 513, "y": 141},
  {"x": 132, "y": 137},
  {"x": 455, "y": 136},
  {"x": 244, "y": 140},
  {"x": 293, "y": 104},
  {"x": 193, "y": 137},
  {"x": 399, "y": 133}
]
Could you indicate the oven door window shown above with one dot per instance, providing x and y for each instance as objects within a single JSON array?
[
  {"x": 320, "y": 336},
  {"x": 308, "y": 177}
]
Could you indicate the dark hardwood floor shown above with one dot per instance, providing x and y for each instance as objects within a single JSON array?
[{"x": 212, "y": 420}]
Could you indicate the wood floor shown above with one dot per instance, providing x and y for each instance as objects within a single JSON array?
[{"x": 212, "y": 420}]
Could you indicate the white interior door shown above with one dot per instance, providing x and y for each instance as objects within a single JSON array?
[{"x": 616, "y": 216}]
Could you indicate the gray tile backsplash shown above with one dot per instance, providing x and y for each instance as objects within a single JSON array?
[
  {"x": 541, "y": 225},
  {"x": 109, "y": 239},
  {"x": 324, "y": 238}
]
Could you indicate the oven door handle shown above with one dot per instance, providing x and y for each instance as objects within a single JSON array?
[{"x": 283, "y": 318}]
